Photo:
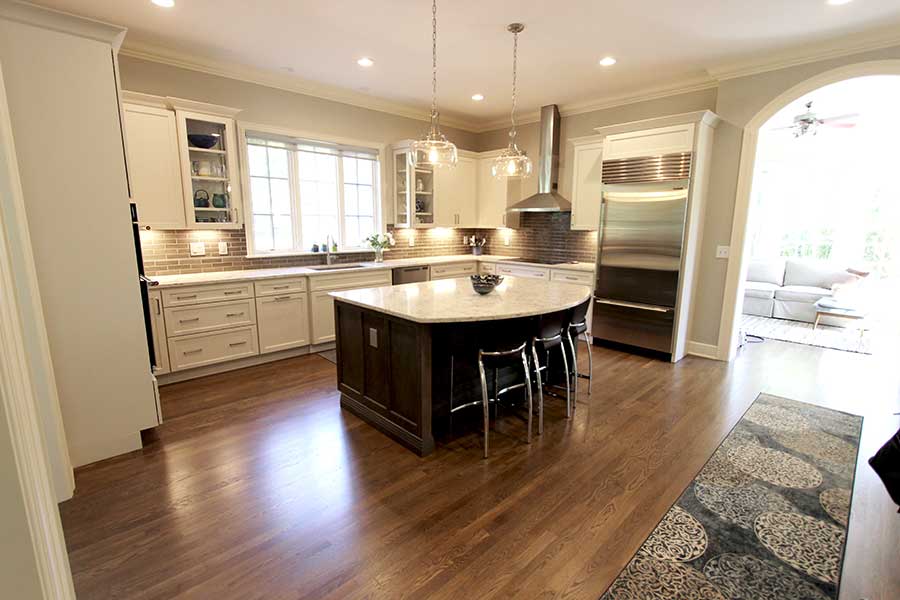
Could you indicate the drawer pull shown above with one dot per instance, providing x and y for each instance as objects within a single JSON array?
[
  {"x": 280, "y": 287},
  {"x": 197, "y": 351},
  {"x": 237, "y": 314},
  {"x": 188, "y": 320},
  {"x": 280, "y": 298},
  {"x": 188, "y": 297},
  {"x": 232, "y": 293},
  {"x": 570, "y": 278},
  {"x": 234, "y": 344}
]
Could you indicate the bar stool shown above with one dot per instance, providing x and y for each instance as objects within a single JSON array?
[
  {"x": 514, "y": 358},
  {"x": 578, "y": 327},
  {"x": 549, "y": 336}
]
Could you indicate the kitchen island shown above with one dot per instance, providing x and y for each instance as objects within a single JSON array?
[{"x": 402, "y": 350}]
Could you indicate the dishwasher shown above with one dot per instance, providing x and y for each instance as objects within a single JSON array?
[{"x": 410, "y": 274}]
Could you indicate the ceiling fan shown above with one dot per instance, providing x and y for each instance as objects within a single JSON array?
[{"x": 809, "y": 122}]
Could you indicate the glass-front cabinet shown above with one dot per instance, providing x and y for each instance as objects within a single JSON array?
[
  {"x": 210, "y": 180},
  {"x": 413, "y": 191}
]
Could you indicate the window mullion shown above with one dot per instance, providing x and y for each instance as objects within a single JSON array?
[
  {"x": 340, "y": 197},
  {"x": 294, "y": 187}
]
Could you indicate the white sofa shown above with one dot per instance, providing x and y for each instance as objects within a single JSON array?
[{"x": 789, "y": 289}]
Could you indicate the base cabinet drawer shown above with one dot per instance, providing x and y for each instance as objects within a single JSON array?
[
  {"x": 283, "y": 322},
  {"x": 280, "y": 287},
  {"x": 209, "y": 317},
  {"x": 450, "y": 271},
  {"x": 520, "y": 271},
  {"x": 198, "y": 294},
  {"x": 202, "y": 349},
  {"x": 576, "y": 277},
  {"x": 487, "y": 268}
]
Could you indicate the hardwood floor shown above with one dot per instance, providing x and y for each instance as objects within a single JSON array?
[{"x": 259, "y": 486}]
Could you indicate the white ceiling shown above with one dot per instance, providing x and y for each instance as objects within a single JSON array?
[{"x": 660, "y": 44}]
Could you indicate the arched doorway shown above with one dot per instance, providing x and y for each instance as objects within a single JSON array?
[{"x": 737, "y": 268}]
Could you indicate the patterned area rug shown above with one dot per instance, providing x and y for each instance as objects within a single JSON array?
[
  {"x": 766, "y": 517},
  {"x": 825, "y": 336}
]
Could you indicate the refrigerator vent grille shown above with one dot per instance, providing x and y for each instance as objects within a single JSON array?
[{"x": 667, "y": 167}]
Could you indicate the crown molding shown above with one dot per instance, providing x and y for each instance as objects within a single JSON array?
[
  {"x": 834, "y": 48},
  {"x": 63, "y": 22},
  {"x": 288, "y": 83},
  {"x": 685, "y": 86}
]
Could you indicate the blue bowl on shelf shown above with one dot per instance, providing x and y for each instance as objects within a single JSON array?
[
  {"x": 484, "y": 284},
  {"x": 203, "y": 140}
]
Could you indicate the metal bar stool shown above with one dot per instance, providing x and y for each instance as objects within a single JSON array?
[
  {"x": 550, "y": 336},
  {"x": 578, "y": 327},
  {"x": 514, "y": 358}
]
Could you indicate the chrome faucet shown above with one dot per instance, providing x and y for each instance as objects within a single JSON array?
[{"x": 329, "y": 257}]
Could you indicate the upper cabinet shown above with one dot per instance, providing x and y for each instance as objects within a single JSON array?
[
  {"x": 209, "y": 170},
  {"x": 456, "y": 193},
  {"x": 650, "y": 142},
  {"x": 587, "y": 170},
  {"x": 152, "y": 142},
  {"x": 494, "y": 195},
  {"x": 183, "y": 162},
  {"x": 413, "y": 191}
]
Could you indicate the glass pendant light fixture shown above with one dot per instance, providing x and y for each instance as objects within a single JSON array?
[
  {"x": 512, "y": 162},
  {"x": 434, "y": 149}
]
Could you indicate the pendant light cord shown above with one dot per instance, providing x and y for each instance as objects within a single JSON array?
[
  {"x": 433, "y": 63},
  {"x": 512, "y": 115}
]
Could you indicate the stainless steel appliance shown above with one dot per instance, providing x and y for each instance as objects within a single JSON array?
[
  {"x": 639, "y": 254},
  {"x": 402, "y": 275},
  {"x": 547, "y": 198}
]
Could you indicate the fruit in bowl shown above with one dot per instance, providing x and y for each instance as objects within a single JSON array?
[{"x": 483, "y": 284}]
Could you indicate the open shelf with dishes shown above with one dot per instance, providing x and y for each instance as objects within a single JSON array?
[{"x": 413, "y": 191}]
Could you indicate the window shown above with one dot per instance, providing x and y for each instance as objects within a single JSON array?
[{"x": 302, "y": 191}]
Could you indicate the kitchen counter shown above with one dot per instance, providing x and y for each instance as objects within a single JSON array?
[
  {"x": 167, "y": 281},
  {"x": 454, "y": 300}
]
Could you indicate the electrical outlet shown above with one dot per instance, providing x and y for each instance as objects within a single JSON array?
[
  {"x": 223, "y": 248},
  {"x": 198, "y": 249},
  {"x": 723, "y": 251},
  {"x": 412, "y": 239},
  {"x": 465, "y": 240}
]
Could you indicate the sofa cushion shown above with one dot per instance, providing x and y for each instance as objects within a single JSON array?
[
  {"x": 801, "y": 293},
  {"x": 812, "y": 273},
  {"x": 755, "y": 289},
  {"x": 766, "y": 271}
]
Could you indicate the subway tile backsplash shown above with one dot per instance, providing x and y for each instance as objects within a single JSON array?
[{"x": 542, "y": 236}]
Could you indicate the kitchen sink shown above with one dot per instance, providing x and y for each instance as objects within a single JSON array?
[{"x": 335, "y": 267}]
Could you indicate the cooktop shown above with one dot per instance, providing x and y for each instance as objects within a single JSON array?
[{"x": 538, "y": 261}]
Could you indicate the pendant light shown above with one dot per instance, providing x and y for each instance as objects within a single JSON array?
[
  {"x": 512, "y": 162},
  {"x": 434, "y": 149}
]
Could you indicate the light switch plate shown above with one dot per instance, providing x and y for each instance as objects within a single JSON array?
[
  {"x": 223, "y": 248},
  {"x": 198, "y": 249},
  {"x": 723, "y": 251}
]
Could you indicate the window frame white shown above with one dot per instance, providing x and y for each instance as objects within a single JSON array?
[{"x": 380, "y": 195}]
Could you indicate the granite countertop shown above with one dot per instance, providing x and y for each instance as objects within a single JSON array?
[
  {"x": 165, "y": 281},
  {"x": 454, "y": 300}
]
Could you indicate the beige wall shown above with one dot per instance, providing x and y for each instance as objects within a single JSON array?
[
  {"x": 262, "y": 104},
  {"x": 739, "y": 100}
]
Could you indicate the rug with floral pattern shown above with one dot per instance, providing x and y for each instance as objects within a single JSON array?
[{"x": 766, "y": 517}]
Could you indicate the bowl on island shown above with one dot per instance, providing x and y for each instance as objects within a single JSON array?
[
  {"x": 203, "y": 140},
  {"x": 483, "y": 284}
]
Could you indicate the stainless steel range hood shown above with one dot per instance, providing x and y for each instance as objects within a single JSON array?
[{"x": 547, "y": 199}]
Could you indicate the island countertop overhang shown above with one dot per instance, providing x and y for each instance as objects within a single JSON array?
[{"x": 454, "y": 300}]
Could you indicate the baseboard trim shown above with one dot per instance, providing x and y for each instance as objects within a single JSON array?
[
  {"x": 250, "y": 361},
  {"x": 710, "y": 351}
]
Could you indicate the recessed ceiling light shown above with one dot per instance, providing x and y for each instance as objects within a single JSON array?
[
  {"x": 365, "y": 61},
  {"x": 477, "y": 97},
  {"x": 164, "y": 3},
  {"x": 607, "y": 61},
  {"x": 837, "y": 2}
]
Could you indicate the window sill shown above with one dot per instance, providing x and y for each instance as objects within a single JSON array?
[{"x": 307, "y": 253}]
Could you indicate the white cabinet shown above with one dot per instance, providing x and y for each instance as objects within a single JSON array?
[
  {"x": 152, "y": 141},
  {"x": 587, "y": 183},
  {"x": 199, "y": 318},
  {"x": 573, "y": 276},
  {"x": 282, "y": 321},
  {"x": 322, "y": 317},
  {"x": 413, "y": 190},
  {"x": 454, "y": 270},
  {"x": 456, "y": 193},
  {"x": 211, "y": 186},
  {"x": 493, "y": 195},
  {"x": 650, "y": 142},
  {"x": 158, "y": 331},
  {"x": 201, "y": 349},
  {"x": 523, "y": 271},
  {"x": 487, "y": 268}
]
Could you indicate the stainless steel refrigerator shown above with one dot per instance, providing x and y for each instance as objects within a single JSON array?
[{"x": 639, "y": 254}]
